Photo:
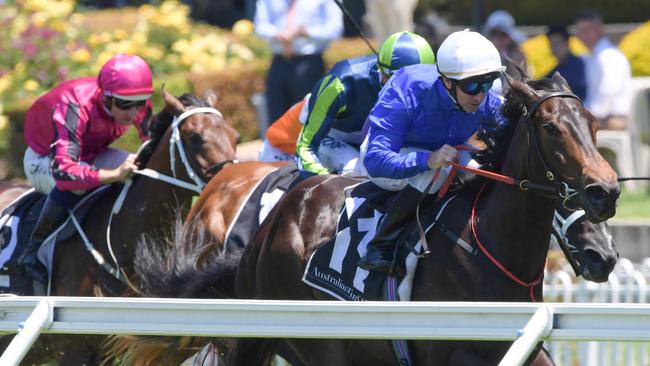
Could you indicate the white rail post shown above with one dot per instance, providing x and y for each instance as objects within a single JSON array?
[
  {"x": 539, "y": 325},
  {"x": 41, "y": 318}
]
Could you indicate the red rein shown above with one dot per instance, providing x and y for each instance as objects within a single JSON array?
[{"x": 499, "y": 178}]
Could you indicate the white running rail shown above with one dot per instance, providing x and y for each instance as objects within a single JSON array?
[
  {"x": 628, "y": 283},
  {"x": 332, "y": 319}
]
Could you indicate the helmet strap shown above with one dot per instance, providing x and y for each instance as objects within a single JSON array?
[
  {"x": 451, "y": 92},
  {"x": 107, "y": 104}
]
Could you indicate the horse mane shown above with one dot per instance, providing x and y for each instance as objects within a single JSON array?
[
  {"x": 493, "y": 156},
  {"x": 498, "y": 141},
  {"x": 161, "y": 122},
  {"x": 173, "y": 267}
]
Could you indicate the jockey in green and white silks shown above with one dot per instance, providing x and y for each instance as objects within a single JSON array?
[{"x": 329, "y": 141}]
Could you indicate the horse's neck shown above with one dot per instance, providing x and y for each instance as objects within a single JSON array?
[
  {"x": 148, "y": 195},
  {"x": 519, "y": 222}
]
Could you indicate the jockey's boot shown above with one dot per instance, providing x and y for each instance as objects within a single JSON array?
[
  {"x": 381, "y": 248},
  {"x": 52, "y": 215}
]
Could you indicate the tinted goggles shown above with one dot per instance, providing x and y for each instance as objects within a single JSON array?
[
  {"x": 476, "y": 85},
  {"x": 128, "y": 104}
]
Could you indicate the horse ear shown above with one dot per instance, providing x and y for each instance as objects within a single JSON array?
[
  {"x": 211, "y": 97},
  {"x": 558, "y": 79},
  {"x": 172, "y": 102},
  {"x": 523, "y": 88}
]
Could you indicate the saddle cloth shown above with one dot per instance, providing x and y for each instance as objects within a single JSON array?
[
  {"x": 260, "y": 201},
  {"x": 333, "y": 268},
  {"x": 18, "y": 220}
]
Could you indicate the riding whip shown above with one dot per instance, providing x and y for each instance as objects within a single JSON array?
[{"x": 355, "y": 25}]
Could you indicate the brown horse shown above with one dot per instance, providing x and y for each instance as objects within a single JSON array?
[
  {"x": 170, "y": 274},
  {"x": 550, "y": 142},
  {"x": 203, "y": 144}
]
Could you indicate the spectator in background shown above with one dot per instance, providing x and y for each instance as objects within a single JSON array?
[
  {"x": 386, "y": 17},
  {"x": 433, "y": 28},
  {"x": 298, "y": 32},
  {"x": 500, "y": 29},
  {"x": 609, "y": 93},
  {"x": 570, "y": 66}
]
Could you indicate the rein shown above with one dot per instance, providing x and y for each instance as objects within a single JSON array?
[
  {"x": 562, "y": 188},
  {"x": 174, "y": 142},
  {"x": 529, "y": 285}
]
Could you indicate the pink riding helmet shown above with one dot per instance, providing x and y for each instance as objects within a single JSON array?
[{"x": 126, "y": 77}]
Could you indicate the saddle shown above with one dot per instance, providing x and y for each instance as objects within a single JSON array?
[
  {"x": 17, "y": 221},
  {"x": 333, "y": 268},
  {"x": 259, "y": 203}
]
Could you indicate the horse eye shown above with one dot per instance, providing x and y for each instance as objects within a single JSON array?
[
  {"x": 195, "y": 139},
  {"x": 551, "y": 129}
]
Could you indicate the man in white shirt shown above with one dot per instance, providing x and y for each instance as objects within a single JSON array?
[
  {"x": 609, "y": 93},
  {"x": 298, "y": 32}
]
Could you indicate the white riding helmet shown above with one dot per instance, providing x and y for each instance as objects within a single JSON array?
[{"x": 465, "y": 54}]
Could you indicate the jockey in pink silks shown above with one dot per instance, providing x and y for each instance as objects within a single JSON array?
[{"x": 68, "y": 132}]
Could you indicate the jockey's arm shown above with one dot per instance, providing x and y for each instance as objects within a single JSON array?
[
  {"x": 67, "y": 168},
  {"x": 323, "y": 108},
  {"x": 389, "y": 122}
]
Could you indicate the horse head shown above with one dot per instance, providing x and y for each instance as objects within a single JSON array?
[
  {"x": 202, "y": 132},
  {"x": 588, "y": 247},
  {"x": 193, "y": 135},
  {"x": 562, "y": 133}
]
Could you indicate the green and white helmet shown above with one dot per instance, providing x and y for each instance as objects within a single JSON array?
[{"x": 404, "y": 49}]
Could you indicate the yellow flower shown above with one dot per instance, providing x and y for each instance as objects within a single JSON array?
[
  {"x": 101, "y": 60},
  {"x": 77, "y": 19},
  {"x": 39, "y": 19},
  {"x": 81, "y": 55},
  {"x": 242, "y": 28},
  {"x": 59, "y": 25},
  {"x": 5, "y": 83},
  {"x": 120, "y": 34},
  {"x": 93, "y": 39},
  {"x": 19, "y": 67},
  {"x": 31, "y": 85}
]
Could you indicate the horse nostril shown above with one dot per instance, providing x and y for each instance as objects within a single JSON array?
[{"x": 596, "y": 193}]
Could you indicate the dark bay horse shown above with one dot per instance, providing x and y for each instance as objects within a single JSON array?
[
  {"x": 169, "y": 275},
  {"x": 550, "y": 143},
  {"x": 189, "y": 140}
]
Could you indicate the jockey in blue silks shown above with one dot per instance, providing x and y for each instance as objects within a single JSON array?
[{"x": 421, "y": 114}]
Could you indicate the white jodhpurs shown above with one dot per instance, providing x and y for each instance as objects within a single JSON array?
[
  {"x": 420, "y": 181},
  {"x": 39, "y": 175},
  {"x": 337, "y": 156},
  {"x": 269, "y": 153},
  {"x": 37, "y": 171}
]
